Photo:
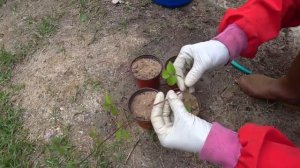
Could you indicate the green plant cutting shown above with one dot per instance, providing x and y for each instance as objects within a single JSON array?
[{"x": 169, "y": 74}]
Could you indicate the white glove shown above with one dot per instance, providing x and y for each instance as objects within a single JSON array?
[
  {"x": 203, "y": 56},
  {"x": 185, "y": 131}
]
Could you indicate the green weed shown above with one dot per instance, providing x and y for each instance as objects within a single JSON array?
[
  {"x": 123, "y": 26},
  {"x": 122, "y": 134},
  {"x": 83, "y": 14},
  {"x": 15, "y": 149},
  {"x": 2, "y": 2},
  {"x": 7, "y": 60},
  {"x": 60, "y": 153},
  {"x": 94, "y": 84},
  {"x": 46, "y": 27},
  {"x": 109, "y": 106},
  {"x": 83, "y": 17},
  {"x": 99, "y": 149},
  {"x": 83, "y": 3}
]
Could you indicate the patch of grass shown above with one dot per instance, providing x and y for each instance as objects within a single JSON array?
[
  {"x": 15, "y": 88},
  {"x": 60, "y": 153},
  {"x": 99, "y": 152},
  {"x": 83, "y": 17},
  {"x": 2, "y": 2},
  {"x": 94, "y": 84},
  {"x": 83, "y": 14},
  {"x": 46, "y": 27},
  {"x": 123, "y": 26},
  {"x": 83, "y": 3},
  {"x": 25, "y": 49},
  {"x": 54, "y": 116},
  {"x": 14, "y": 7},
  {"x": 7, "y": 60},
  {"x": 15, "y": 149}
]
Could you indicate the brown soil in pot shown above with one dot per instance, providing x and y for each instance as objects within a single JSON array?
[
  {"x": 142, "y": 105},
  {"x": 190, "y": 101},
  {"x": 146, "y": 68}
]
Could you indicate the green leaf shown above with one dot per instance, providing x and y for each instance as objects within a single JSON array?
[
  {"x": 109, "y": 106},
  {"x": 122, "y": 134},
  {"x": 93, "y": 134},
  {"x": 171, "y": 68},
  {"x": 83, "y": 17},
  {"x": 188, "y": 108},
  {"x": 172, "y": 80},
  {"x": 113, "y": 110},
  {"x": 165, "y": 74},
  {"x": 71, "y": 164},
  {"x": 106, "y": 106},
  {"x": 107, "y": 99}
]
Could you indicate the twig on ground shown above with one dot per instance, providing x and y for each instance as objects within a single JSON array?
[
  {"x": 127, "y": 120},
  {"x": 161, "y": 161},
  {"x": 136, "y": 143},
  {"x": 101, "y": 143}
]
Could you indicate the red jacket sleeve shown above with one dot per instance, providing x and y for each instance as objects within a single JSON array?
[
  {"x": 266, "y": 147},
  {"x": 262, "y": 20}
]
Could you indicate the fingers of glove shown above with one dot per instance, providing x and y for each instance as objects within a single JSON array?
[
  {"x": 180, "y": 95},
  {"x": 167, "y": 114},
  {"x": 175, "y": 103},
  {"x": 179, "y": 65},
  {"x": 157, "y": 112},
  {"x": 194, "y": 74}
]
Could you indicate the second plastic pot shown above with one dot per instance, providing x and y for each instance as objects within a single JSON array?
[
  {"x": 149, "y": 83},
  {"x": 145, "y": 124}
]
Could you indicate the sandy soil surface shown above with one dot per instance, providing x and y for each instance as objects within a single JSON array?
[{"x": 66, "y": 74}]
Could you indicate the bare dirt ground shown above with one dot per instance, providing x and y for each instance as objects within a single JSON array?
[{"x": 66, "y": 74}]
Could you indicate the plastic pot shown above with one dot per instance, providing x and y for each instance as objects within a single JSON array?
[
  {"x": 172, "y": 3},
  {"x": 145, "y": 124},
  {"x": 149, "y": 83}
]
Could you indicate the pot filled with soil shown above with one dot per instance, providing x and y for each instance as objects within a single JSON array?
[
  {"x": 147, "y": 69},
  {"x": 140, "y": 105},
  {"x": 191, "y": 103}
]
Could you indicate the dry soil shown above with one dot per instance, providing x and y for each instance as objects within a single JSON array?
[
  {"x": 142, "y": 105},
  {"x": 66, "y": 74},
  {"x": 146, "y": 68}
]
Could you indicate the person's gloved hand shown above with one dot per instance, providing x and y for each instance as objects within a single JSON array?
[
  {"x": 200, "y": 57},
  {"x": 180, "y": 129}
]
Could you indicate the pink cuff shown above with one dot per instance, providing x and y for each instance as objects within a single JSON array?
[
  {"x": 234, "y": 38},
  {"x": 221, "y": 147}
]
